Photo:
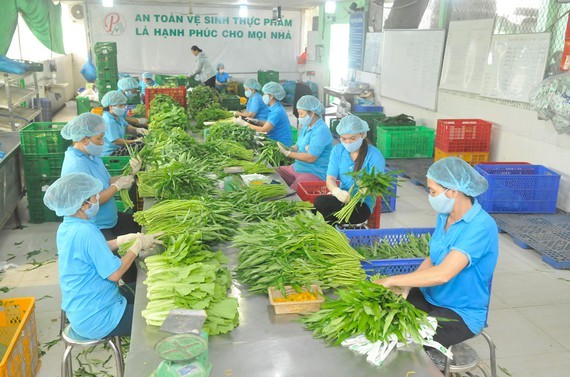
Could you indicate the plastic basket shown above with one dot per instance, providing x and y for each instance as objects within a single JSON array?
[
  {"x": 42, "y": 167},
  {"x": 39, "y": 213},
  {"x": 107, "y": 76},
  {"x": 178, "y": 94},
  {"x": 368, "y": 108},
  {"x": 295, "y": 307},
  {"x": 405, "y": 142},
  {"x": 519, "y": 189},
  {"x": 41, "y": 138},
  {"x": 18, "y": 334},
  {"x": 367, "y": 237},
  {"x": 105, "y": 48},
  {"x": 294, "y": 134},
  {"x": 266, "y": 76},
  {"x": 370, "y": 118},
  {"x": 97, "y": 110},
  {"x": 472, "y": 158},
  {"x": 391, "y": 266},
  {"x": 333, "y": 123},
  {"x": 230, "y": 102},
  {"x": 463, "y": 135},
  {"x": 504, "y": 163},
  {"x": 106, "y": 63},
  {"x": 116, "y": 164}
]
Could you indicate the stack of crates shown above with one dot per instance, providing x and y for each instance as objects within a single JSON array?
[
  {"x": 107, "y": 70},
  {"x": 43, "y": 150},
  {"x": 267, "y": 76},
  {"x": 84, "y": 105},
  {"x": 115, "y": 166},
  {"x": 468, "y": 139}
]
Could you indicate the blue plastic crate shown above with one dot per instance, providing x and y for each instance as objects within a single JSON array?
[
  {"x": 389, "y": 205},
  {"x": 368, "y": 108},
  {"x": 391, "y": 266},
  {"x": 519, "y": 188},
  {"x": 366, "y": 237}
]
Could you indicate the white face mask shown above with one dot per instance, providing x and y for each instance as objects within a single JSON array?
[
  {"x": 266, "y": 99},
  {"x": 306, "y": 120},
  {"x": 92, "y": 211},
  {"x": 354, "y": 146},
  {"x": 94, "y": 149},
  {"x": 441, "y": 203}
]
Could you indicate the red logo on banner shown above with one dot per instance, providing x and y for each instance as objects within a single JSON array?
[{"x": 114, "y": 24}]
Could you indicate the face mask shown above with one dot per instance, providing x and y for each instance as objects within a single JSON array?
[
  {"x": 92, "y": 211},
  {"x": 221, "y": 71},
  {"x": 354, "y": 146},
  {"x": 441, "y": 203},
  {"x": 119, "y": 111},
  {"x": 129, "y": 95},
  {"x": 94, "y": 149},
  {"x": 265, "y": 99},
  {"x": 305, "y": 121},
  {"x": 248, "y": 93}
]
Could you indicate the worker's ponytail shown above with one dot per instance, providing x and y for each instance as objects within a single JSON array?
[{"x": 196, "y": 48}]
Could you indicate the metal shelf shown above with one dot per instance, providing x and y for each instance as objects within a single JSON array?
[
  {"x": 18, "y": 94},
  {"x": 22, "y": 112},
  {"x": 12, "y": 95}
]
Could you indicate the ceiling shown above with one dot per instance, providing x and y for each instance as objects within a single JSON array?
[{"x": 295, "y": 4}]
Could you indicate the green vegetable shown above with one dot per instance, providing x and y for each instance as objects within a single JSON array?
[
  {"x": 200, "y": 98},
  {"x": 271, "y": 155},
  {"x": 228, "y": 130},
  {"x": 251, "y": 167},
  {"x": 412, "y": 247},
  {"x": 139, "y": 110},
  {"x": 211, "y": 113}
]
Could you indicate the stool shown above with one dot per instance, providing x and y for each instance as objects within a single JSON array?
[{"x": 72, "y": 339}]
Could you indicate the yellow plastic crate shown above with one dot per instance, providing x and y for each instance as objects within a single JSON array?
[
  {"x": 472, "y": 158},
  {"x": 295, "y": 306},
  {"x": 18, "y": 335}
]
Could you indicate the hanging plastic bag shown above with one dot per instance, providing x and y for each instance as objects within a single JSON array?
[
  {"x": 89, "y": 72},
  {"x": 550, "y": 98}
]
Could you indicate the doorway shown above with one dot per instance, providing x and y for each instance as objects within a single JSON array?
[{"x": 338, "y": 58}]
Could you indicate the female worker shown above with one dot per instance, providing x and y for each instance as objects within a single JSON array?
[
  {"x": 129, "y": 86},
  {"x": 222, "y": 76},
  {"x": 204, "y": 71},
  {"x": 88, "y": 271},
  {"x": 352, "y": 155},
  {"x": 455, "y": 281},
  {"x": 87, "y": 133},
  {"x": 256, "y": 108},
  {"x": 113, "y": 110},
  {"x": 147, "y": 80},
  {"x": 313, "y": 147},
  {"x": 277, "y": 124}
]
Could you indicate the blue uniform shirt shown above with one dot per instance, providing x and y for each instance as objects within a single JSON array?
[
  {"x": 223, "y": 77},
  {"x": 76, "y": 161},
  {"x": 116, "y": 129},
  {"x": 143, "y": 85},
  {"x": 92, "y": 303},
  {"x": 341, "y": 163},
  {"x": 468, "y": 293},
  {"x": 320, "y": 142},
  {"x": 281, "y": 130},
  {"x": 256, "y": 105}
]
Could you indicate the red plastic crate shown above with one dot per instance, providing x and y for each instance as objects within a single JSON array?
[
  {"x": 178, "y": 94},
  {"x": 463, "y": 135}
]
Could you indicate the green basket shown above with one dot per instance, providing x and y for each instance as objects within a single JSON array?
[
  {"x": 35, "y": 191},
  {"x": 230, "y": 102},
  {"x": 116, "y": 164},
  {"x": 266, "y": 76},
  {"x": 294, "y": 133},
  {"x": 370, "y": 118},
  {"x": 105, "y": 48},
  {"x": 106, "y": 63},
  {"x": 406, "y": 142},
  {"x": 84, "y": 105},
  {"x": 333, "y": 123},
  {"x": 43, "y": 167},
  {"x": 42, "y": 138}
]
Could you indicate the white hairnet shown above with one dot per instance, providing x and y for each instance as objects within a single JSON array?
[
  {"x": 147, "y": 75},
  {"x": 84, "y": 125},
  {"x": 351, "y": 124},
  {"x": 311, "y": 103},
  {"x": 275, "y": 90},
  {"x": 252, "y": 84},
  {"x": 128, "y": 83},
  {"x": 66, "y": 195},
  {"x": 455, "y": 174},
  {"x": 112, "y": 98}
]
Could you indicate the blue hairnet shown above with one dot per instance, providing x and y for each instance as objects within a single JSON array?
[
  {"x": 311, "y": 103},
  {"x": 275, "y": 90},
  {"x": 455, "y": 174},
  {"x": 220, "y": 65},
  {"x": 112, "y": 98},
  {"x": 351, "y": 124},
  {"x": 128, "y": 83},
  {"x": 147, "y": 75},
  {"x": 84, "y": 125},
  {"x": 252, "y": 84},
  {"x": 66, "y": 195}
]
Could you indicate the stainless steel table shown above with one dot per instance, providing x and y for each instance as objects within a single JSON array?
[{"x": 10, "y": 176}]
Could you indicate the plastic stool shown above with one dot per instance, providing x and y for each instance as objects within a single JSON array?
[{"x": 71, "y": 339}]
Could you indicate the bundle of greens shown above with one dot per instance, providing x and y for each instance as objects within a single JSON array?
[
  {"x": 159, "y": 102},
  {"x": 229, "y": 148},
  {"x": 296, "y": 251},
  {"x": 200, "y": 98},
  {"x": 369, "y": 309},
  {"x": 276, "y": 209},
  {"x": 271, "y": 155},
  {"x": 188, "y": 276},
  {"x": 254, "y": 194},
  {"x": 168, "y": 117},
  {"x": 250, "y": 167},
  {"x": 163, "y": 147},
  {"x": 228, "y": 130},
  {"x": 139, "y": 110},
  {"x": 412, "y": 247},
  {"x": 213, "y": 218},
  {"x": 375, "y": 183},
  {"x": 211, "y": 113}
]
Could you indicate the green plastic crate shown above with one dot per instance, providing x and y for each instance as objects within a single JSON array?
[
  {"x": 333, "y": 123},
  {"x": 42, "y": 138},
  {"x": 116, "y": 164},
  {"x": 294, "y": 133},
  {"x": 107, "y": 76},
  {"x": 39, "y": 213},
  {"x": 105, "y": 48},
  {"x": 84, "y": 105},
  {"x": 406, "y": 142},
  {"x": 266, "y": 76},
  {"x": 134, "y": 100},
  {"x": 107, "y": 63},
  {"x": 230, "y": 102},
  {"x": 370, "y": 118},
  {"x": 43, "y": 167}
]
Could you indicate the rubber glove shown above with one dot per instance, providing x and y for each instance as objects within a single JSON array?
[
  {"x": 253, "y": 121},
  {"x": 126, "y": 238},
  {"x": 342, "y": 195},
  {"x": 242, "y": 122},
  {"x": 136, "y": 164},
  {"x": 136, "y": 247},
  {"x": 142, "y": 131},
  {"x": 148, "y": 241},
  {"x": 283, "y": 149},
  {"x": 236, "y": 114},
  {"x": 143, "y": 121},
  {"x": 124, "y": 183}
]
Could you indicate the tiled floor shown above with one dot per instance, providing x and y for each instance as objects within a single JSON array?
[{"x": 530, "y": 308}]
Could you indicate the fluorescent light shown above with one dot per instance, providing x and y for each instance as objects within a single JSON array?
[
  {"x": 330, "y": 6},
  {"x": 107, "y": 3},
  {"x": 243, "y": 11}
]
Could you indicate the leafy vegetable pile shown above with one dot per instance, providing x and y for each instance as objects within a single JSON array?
[
  {"x": 296, "y": 251},
  {"x": 139, "y": 110},
  {"x": 200, "y": 98},
  {"x": 228, "y": 130},
  {"x": 168, "y": 115},
  {"x": 413, "y": 247},
  {"x": 211, "y": 113},
  {"x": 369, "y": 309},
  {"x": 270, "y": 154}
]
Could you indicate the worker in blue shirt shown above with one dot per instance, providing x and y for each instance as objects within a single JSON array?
[
  {"x": 88, "y": 271},
  {"x": 222, "y": 76},
  {"x": 84, "y": 156},
  {"x": 277, "y": 125},
  {"x": 129, "y": 86},
  {"x": 351, "y": 155},
  {"x": 313, "y": 147},
  {"x": 113, "y": 110},
  {"x": 256, "y": 108},
  {"x": 455, "y": 281}
]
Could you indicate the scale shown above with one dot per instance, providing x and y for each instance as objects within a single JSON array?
[{"x": 184, "y": 354}]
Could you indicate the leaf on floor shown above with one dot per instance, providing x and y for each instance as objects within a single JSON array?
[
  {"x": 18, "y": 243},
  {"x": 505, "y": 371},
  {"x": 36, "y": 264},
  {"x": 51, "y": 343},
  {"x": 5, "y": 289},
  {"x": 34, "y": 252},
  {"x": 20, "y": 227},
  {"x": 563, "y": 279},
  {"x": 45, "y": 296},
  {"x": 11, "y": 257}
]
